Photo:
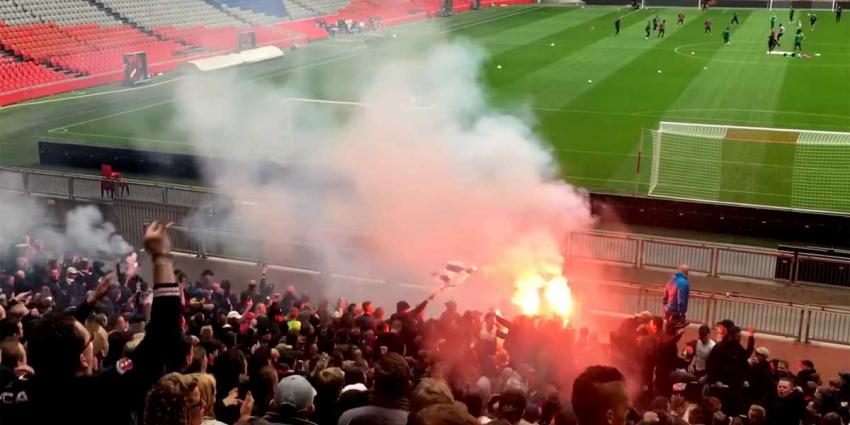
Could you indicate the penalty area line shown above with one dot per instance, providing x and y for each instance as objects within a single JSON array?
[
  {"x": 131, "y": 139},
  {"x": 64, "y": 128}
]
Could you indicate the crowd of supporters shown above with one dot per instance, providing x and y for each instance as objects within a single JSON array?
[{"x": 81, "y": 346}]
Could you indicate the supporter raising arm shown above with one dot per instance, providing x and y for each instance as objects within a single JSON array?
[
  {"x": 158, "y": 352},
  {"x": 60, "y": 351}
]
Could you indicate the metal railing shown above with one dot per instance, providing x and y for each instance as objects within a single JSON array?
[
  {"x": 84, "y": 187},
  {"x": 804, "y": 323},
  {"x": 801, "y": 322},
  {"x": 638, "y": 251},
  {"x": 710, "y": 259}
]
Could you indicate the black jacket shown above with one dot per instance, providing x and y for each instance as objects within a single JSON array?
[
  {"x": 283, "y": 417},
  {"x": 760, "y": 378},
  {"x": 727, "y": 363},
  {"x": 786, "y": 411},
  {"x": 108, "y": 398}
]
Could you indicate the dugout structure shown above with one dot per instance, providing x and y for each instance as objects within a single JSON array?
[
  {"x": 798, "y": 169},
  {"x": 135, "y": 68}
]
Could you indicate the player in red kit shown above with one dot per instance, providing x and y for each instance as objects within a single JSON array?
[{"x": 707, "y": 26}]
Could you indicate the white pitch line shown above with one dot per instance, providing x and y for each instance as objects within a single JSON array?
[
  {"x": 171, "y": 81},
  {"x": 142, "y": 108},
  {"x": 139, "y": 139},
  {"x": 507, "y": 15},
  {"x": 82, "y": 96},
  {"x": 263, "y": 77}
]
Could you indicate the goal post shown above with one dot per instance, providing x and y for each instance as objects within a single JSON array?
[{"x": 790, "y": 168}]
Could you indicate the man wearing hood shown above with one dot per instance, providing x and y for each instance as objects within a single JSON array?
[{"x": 676, "y": 294}]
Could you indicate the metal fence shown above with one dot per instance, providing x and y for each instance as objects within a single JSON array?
[
  {"x": 710, "y": 259},
  {"x": 638, "y": 251},
  {"x": 88, "y": 188},
  {"x": 801, "y": 322},
  {"x": 145, "y": 201}
]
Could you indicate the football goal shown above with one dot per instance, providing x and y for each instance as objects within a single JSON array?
[{"x": 798, "y": 169}]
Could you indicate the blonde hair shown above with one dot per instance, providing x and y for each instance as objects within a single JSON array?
[
  {"x": 429, "y": 392},
  {"x": 167, "y": 402},
  {"x": 100, "y": 339},
  {"x": 206, "y": 386}
]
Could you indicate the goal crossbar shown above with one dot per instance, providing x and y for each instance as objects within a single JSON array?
[{"x": 797, "y": 169}]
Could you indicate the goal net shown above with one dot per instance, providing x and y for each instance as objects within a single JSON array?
[{"x": 799, "y": 169}]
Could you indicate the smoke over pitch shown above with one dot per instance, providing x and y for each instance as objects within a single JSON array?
[{"x": 424, "y": 169}]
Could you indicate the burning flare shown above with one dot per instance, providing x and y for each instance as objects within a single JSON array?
[
  {"x": 534, "y": 265},
  {"x": 542, "y": 290}
]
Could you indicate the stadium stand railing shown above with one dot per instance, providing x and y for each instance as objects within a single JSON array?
[
  {"x": 145, "y": 201},
  {"x": 624, "y": 249},
  {"x": 800, "y": 322}
]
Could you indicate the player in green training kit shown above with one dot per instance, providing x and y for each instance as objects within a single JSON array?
[
  {"x": 735, "y": 19},
  {"x": 617, "y": 26},
  {"x": 791, "y": 14},
  {"x": 813, "y": 19},
  {"x": 798, "y": 41},
  {"x": 726, "y": 35},
  {"x": 648, "y": 28},
  {"x": 773, "y": 21}
]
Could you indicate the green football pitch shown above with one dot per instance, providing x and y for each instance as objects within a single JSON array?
[{"x": 591, "y": 92}]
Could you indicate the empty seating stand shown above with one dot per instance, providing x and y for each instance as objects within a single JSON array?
[
  {"x": 273, "y": 8},
  {"x": 51, "y": 46},
  {"x": 16, "y": 75},
  {"x": 74, "y": 35}
]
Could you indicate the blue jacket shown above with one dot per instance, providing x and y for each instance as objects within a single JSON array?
[{"x": 676, "y": 294}]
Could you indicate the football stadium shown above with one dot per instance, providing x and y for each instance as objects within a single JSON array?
[{"x": 594, "y": 212}]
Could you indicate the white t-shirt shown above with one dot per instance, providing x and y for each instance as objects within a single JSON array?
[{"x": 701, "y": 353}]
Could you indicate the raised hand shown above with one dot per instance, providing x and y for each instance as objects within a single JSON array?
[
  {"x": 157, "y": 242},
  {"x": 247, "y": 405},
  {"x": 232, "y": 398},
  {"x": 102, "y": 287}
]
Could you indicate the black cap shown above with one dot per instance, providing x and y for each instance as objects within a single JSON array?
[
  {"x": 512, "y": 400},
  {"x": 727, "y": 323}
]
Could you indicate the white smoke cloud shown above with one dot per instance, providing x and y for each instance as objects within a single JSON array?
[
  {"x": 19, "y": 213},
  {"x": 87, "y": 233},
  {"x": 424, "y": 168},
  {"x": 84, "y": 231}
]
